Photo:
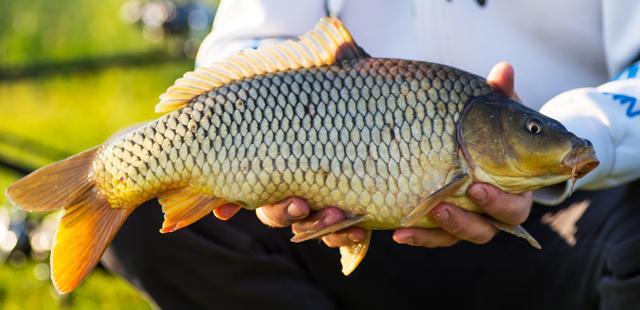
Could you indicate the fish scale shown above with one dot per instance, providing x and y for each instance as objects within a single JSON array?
[{"x": 383, "y": 128}]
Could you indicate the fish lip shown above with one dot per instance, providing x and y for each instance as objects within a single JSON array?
[{"x": 581, "y": 161}]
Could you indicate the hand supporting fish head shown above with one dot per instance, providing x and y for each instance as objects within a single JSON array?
[{"x": 518, "y": 149}]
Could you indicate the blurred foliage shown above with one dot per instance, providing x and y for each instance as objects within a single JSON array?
[
  {"x": 76, "y": 112},
  {"x": 44, "y": 118},
  {"x": 42, "y": 30},
  {"x": 20, "y": 289},
  {"x": 6, "y": 177}
]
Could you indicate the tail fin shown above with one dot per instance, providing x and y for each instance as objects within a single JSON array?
[
  {"x": 88, "y": 222},
  {"x": 54, "y": 186},
  {"x": 84, "y": 232}
]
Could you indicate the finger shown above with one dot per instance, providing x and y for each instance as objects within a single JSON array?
[
  {"x": 319, "y": 220},
  {"x": 429, "y": 238},
  {"x": 283, "y": 213},
  {"x": 225, "y": 212},
  {"x": 462, "y": 224},
  {"x": 502, "y": 76},
  {"x": 505, "y": 207},
  {"x": 345, "y": 237}
]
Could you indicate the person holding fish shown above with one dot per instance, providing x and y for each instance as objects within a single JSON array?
[{"x": 337, "y": 139}]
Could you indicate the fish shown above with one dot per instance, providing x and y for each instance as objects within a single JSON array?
[{"x": 385, "y": 140}]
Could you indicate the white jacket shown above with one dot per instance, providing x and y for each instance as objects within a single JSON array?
[{"x": 561, "y": 51}]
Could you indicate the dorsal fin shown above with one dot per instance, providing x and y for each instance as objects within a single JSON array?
[{"x": 327, "y": 43}]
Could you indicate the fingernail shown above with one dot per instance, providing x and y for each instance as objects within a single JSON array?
[
  {"x": 479, "y": 195},
  {"x": 316, "y": 223},
  {"x": 354, "y": 237},
  {"x": 410, "y": 240},
  {"x": 330, "y": 218},
  {"x": 295, "y": 211},
  {"x": 441, "y": 216}
]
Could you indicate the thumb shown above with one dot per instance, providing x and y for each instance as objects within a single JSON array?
[{"x": 502, "y": 77}]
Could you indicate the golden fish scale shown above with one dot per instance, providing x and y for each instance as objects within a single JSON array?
[{"x": 367, "y": 135}]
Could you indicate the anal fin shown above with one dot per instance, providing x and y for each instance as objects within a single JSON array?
[
  {"x": 308, "y": 235},
  {"x": 516, "y": 230},
  {"x": 182, "y": 207},
  {"x": 351, "y": 256},
  {"x": 427, "y": 204}
]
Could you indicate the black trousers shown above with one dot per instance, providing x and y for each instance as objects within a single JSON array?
[{"x": 242, "y": 264}]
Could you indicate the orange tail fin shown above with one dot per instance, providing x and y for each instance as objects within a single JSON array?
[
  {"x": 84, "y": 232},
  {"x": 55, "y": 186},
  {"x": 88, "y": 222}
]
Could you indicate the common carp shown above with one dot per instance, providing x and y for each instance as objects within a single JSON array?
[{"x": 385, "y": 140}]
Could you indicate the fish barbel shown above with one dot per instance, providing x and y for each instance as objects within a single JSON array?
[{"x": 385, "y": 140}]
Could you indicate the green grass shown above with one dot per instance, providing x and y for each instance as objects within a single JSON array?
[
  {"x": 73, "y": 113},
  {"x": 36, "y": 31},
  {"x": 6, "y": 177},
  {"x": 20, "y": 289}
]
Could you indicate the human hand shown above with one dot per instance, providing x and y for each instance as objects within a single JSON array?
[
  {"x": 294, "y": 212},
  {"x": 458, "y": 224},
  {"x": 280, "y": 214},
  {"x": 455, "y": 223}
]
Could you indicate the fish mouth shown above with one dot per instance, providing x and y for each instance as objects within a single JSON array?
[{"x": 581, "y": 161}]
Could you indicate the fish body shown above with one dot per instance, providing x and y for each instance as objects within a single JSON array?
[
  {"x": 385, "y": 140},
  {"x": 372, "y": 136}
]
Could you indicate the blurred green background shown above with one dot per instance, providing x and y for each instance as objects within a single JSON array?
[{"x": 72, "y": 72}]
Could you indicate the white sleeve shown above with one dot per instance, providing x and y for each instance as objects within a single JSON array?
[
  {"x": 249, "y": 23},
  {"x": 609, "y": 116},
  {"x": 621, "y": 29}
]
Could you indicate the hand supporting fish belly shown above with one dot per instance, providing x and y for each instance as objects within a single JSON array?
[{"x": 385, "y": 140}]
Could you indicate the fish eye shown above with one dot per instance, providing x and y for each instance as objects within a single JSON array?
[{"x": 534, "y": 126}]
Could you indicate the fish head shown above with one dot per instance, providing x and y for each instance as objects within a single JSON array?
[{"x": 518, "y": 149}]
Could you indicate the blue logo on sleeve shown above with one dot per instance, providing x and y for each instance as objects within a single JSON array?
[
  {"x": 632, "y": 110},
  {"x": 629, "y": 73}
]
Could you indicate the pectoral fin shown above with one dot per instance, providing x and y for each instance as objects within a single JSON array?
[
  {"x": 515, "y": 230},
  {"x": 351, "y": 256},
  {"x": 308, "y": 235},
  {"x": 427, "y": 204}
]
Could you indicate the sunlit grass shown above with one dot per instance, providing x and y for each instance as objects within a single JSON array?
[
  {"x": 59, "y": 114},
  {"x": 26, "y": 285},
  {"x": 20, "y": 289},
  {"x": 73, "y": 113},
  {"x": 42, "y": 30}
]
